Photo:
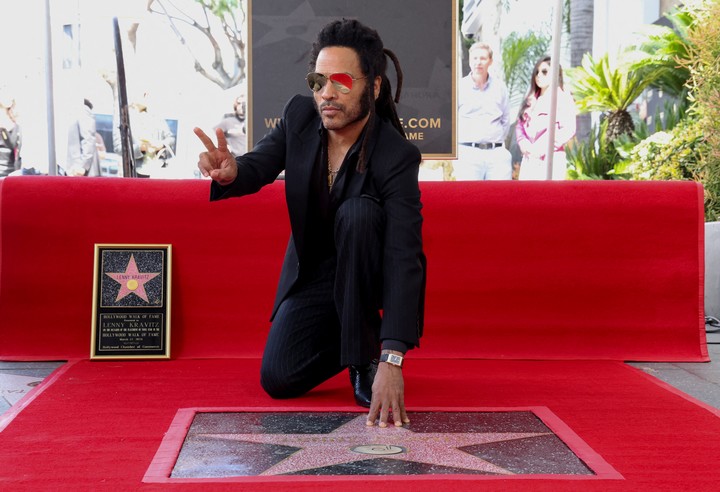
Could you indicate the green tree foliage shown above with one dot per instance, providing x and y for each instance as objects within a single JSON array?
[
  {"x": 599, "y": 86},
  {"x": 674, "y": 154},
  {"x": 520, "y": 52},
  {"x": 220, "y": 7},
  {"x": 594, "y": 158},
  {"x": 704, "y": 66},
  {"x": 667, "y": 51},
  {"x": 688, "y": 145},
  {"x": 597, "y": 158}
]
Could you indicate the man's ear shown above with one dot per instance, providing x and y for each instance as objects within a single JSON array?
[{"x": 376, "y": 88}]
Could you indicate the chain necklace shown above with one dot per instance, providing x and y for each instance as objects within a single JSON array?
[{"x": 331, "y": 177}]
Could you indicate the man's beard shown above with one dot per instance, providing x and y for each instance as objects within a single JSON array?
[{"x": 362, "y": 110}]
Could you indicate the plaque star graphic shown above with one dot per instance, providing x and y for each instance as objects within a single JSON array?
[
  {"x": 354, "y": 441},
  {"x": 301, "y": 23},
  {"x": 131, "y": 281}
]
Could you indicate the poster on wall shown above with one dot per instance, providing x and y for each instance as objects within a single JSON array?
[
  {"x": 131, "y": 302},
  {"x": 422, "y": 34}
]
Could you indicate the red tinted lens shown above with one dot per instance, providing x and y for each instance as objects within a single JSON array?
[{"x": 343, "y": 79}]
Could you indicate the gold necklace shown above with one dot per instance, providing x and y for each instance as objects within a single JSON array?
[{"x": 331, "y": 176}]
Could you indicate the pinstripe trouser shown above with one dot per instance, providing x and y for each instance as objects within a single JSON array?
[{"x": 331, "y": 318}]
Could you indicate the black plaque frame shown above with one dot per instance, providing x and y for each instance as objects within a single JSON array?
[{"x": 131, "y": 301}]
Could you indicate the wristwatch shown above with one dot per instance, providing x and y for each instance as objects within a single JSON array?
[{"x": 394, "y": 359}]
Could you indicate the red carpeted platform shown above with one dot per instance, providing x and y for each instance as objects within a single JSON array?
[
  {"x": 536, "y": 294},
  {"x": 529, "y": 270}
]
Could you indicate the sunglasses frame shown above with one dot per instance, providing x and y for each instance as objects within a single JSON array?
[{"x": 313, "y": 79}]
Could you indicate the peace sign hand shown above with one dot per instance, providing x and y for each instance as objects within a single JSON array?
[{"x": 217, "y": 163}]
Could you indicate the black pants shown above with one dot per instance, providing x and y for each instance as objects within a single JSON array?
[{"x": 331, "y": 319}]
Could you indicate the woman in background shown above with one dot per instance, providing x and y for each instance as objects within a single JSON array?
[
  {"x": 10, "y": 139},
  {"x": 533, "y": 125}
]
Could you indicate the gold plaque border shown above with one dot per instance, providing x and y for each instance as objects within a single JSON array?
[{"x": 167, "y": 279}]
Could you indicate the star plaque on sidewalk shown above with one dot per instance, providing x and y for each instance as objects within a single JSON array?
[
  {"x": 131, "y": 301},
  {"x": 267, "y": 444}
]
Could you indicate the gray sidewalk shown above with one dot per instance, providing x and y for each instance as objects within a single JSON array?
[
  {"x": 699, "y": 380},
  {"x": 17, "y": 379}
]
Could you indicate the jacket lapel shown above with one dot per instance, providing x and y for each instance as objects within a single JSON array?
[
  {"x": 356, "y": 181},
  {"x": 299, "y": 170}
]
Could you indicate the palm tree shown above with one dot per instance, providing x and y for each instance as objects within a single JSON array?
[
  {"x": 519, "y": 54},
  {"x": 600, "y": 86},
  {"x": 668, "y": 49}
]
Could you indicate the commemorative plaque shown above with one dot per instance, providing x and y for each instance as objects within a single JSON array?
[
  {"x": 422, "y": 33},
  {"x": 131, "y": 302}
]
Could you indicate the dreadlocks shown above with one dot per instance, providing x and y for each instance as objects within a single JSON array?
[{"x": 369, "y": 47}]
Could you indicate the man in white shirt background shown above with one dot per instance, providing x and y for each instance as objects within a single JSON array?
[{"x": 483, "y": 121}]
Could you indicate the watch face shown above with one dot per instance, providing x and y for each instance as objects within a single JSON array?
[{"x": 393, "y": 359}]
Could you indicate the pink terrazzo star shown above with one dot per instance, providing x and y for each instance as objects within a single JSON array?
[
  {"x": 131, "y": 281},
  {"x": 346, "y": 443}
]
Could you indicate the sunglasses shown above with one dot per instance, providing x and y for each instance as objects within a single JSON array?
[{"x": 342, "y": 82}]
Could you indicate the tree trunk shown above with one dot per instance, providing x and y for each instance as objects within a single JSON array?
[
  {"x": 581, "y": 42},
  {"x": 619, "y": 123}
]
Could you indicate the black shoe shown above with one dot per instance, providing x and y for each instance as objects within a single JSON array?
[{"x": 361, "y": 379}]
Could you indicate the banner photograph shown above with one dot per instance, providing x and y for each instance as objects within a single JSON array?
[{"x": 423, "y": 37}]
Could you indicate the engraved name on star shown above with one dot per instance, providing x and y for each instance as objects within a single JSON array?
[
  {"x": 354, "y": 441},
  {"x": 131, "y": 281}
]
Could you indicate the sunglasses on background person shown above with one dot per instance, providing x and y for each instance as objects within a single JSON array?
[{"x": 342, "y": 82}]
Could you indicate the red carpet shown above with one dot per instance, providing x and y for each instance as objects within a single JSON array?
[{"x": 99, "y": 425}]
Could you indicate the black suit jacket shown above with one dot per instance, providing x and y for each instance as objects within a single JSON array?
[{"x": 390, "y": 178}]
